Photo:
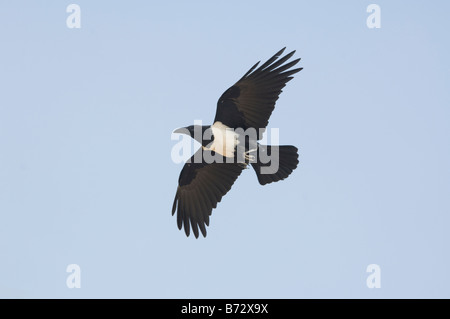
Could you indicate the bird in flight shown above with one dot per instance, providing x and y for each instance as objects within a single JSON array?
[{"x": 231, "y": 144}]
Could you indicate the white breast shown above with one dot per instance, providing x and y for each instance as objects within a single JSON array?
[{"x": 225, "y": 140}]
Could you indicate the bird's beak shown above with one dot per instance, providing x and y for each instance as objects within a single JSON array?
[{"x": 181, "y": 130}]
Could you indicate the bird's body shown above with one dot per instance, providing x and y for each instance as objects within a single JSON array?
[
  {"x": 230, "y": 144},
  {"x": 224, "y": 141}
]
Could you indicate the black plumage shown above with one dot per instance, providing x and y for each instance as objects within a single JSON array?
[{"x": 245, "y": 105}]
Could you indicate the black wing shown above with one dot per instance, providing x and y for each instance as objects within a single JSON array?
[
  {"x": 200, "y": 187},
  {"x": 250, "y": 102}
]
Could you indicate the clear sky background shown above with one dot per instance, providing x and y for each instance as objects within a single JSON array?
[{"x": 86, "y": 175}]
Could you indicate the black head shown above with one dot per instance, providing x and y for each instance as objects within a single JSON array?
[{"x": 197, "y": 132}]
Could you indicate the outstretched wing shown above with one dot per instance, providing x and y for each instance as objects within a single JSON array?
[
  {"x": 200, "y": 187},
  {"x": 250, "y": 102}
]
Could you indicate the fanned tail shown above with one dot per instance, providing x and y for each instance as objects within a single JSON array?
[{"x": 275, "y": 163}]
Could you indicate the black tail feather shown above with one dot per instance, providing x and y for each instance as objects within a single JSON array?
[{"x": 280, "y": 165}]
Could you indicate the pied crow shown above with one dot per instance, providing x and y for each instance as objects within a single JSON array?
[{"x": 230, "y": 144}]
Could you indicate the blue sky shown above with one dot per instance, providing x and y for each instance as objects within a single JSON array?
[{"x": 86, "y": 175}]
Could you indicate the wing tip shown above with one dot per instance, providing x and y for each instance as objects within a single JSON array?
[
  {"x": 174, "y": 206},
  {"x": 280, "y": 52},
  {"x": 250, "y": 71}
]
